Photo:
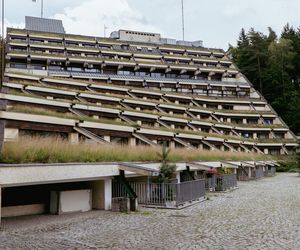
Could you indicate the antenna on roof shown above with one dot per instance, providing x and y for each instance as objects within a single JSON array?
[
  {"x": 42, "y": 7},
  {"x": 104, "y": 30},
  {"x": 182, "y": 16}
]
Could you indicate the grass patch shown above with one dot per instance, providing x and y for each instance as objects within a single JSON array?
[{"x": 57, "y": 150}]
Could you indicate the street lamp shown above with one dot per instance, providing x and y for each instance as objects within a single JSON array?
[
  {"x": 2, "y": 46},
  {"x": 42, "y": 7}
]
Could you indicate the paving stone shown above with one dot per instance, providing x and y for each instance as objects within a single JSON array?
[{"x": 263, "y": 214}]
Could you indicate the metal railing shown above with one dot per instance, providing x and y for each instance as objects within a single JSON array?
[
  {"x": 210, "y": 183},
  {"x": 131, "y": 77},
  {"x": 259, "y": 172},
  {"x": 270, "y": 171},
  {"x": 220, "y": 182},
  {"x": 226, "y": 182},
  {"x": 163, "y": 194}
]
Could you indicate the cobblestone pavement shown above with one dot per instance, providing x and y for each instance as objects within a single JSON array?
[{"x": 262, "y": 214}]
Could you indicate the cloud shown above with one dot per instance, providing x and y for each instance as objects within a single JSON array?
[
  {"x": 8, "y": 24},
  {"x": 216, "y": 22},
  {"x": 89, "y": 18}
]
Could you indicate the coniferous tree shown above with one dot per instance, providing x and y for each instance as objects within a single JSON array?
[{"x": 272, "y": 64}]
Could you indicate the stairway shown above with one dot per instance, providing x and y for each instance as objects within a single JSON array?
[{"x": 90, "y": 135}]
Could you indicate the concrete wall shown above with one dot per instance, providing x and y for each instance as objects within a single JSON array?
[
  {"x": 27, "y": 71},
  {"x": 31, "y": 174},
  {"x": 11, "y": 134},
  {"x": 102, "y": 194},
  {"x": 72, "y": 201},
  {"x": 32, "y": 209},
  {"x": 129, "y": 35}
]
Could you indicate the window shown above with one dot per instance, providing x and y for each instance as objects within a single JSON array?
[
  {"x": 36, "y": 40},
  {"x": 268, "y": 121},
  {"x": 104, "y": 47},
  {"x": 91, "y": 70},
  {"x": 18, "y": 65},
  {"x": 38, "y": 66},
  {"x": 88, "y": 45},
  {"x": 71, "y": 44},
  {"x": 55, "y": 42},
  {"x": 52, "y": 67},
  {"x": 125, "y": 72}
]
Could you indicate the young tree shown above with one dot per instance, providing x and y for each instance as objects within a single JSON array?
[{"x": 167, "y": 170}]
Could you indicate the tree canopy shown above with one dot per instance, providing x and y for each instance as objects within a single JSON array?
[{"x": 272, "y": 65}]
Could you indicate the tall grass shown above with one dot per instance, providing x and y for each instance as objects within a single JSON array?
[{"x": 56, "y": 150}]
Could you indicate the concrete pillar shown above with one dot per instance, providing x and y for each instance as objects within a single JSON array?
[
  {"x": 73, "y": 138},
  {"x": 172, "y": 144},
  {"x": 249, "y": 172},
  {"x": 244, "y": 121},
  {"x": 102, "y": 194},
  {"x": 266, "y": 151},
  {"x": 229, "y": 120},
  {"x": 107, "y": 193},
  {"x": 178, "y": 177},
  {"x": 254, "y": 135},
  {"x": 132, "y": 141},
  {"x": 96, "y": 116},
  {"x": 11, "y": 134},
  {"x": 219, "y": 106},
  {"x": 139, "y": 123},
  {"x": 106, "y": 138}
]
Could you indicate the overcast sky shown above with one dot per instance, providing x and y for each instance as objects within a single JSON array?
[{"x": 216, "y": 22}]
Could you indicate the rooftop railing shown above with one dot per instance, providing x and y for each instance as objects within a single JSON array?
[{"x": 142, "y": 78}]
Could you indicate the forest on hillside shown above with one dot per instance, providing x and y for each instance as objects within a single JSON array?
[{"x": 272, "y": 64}]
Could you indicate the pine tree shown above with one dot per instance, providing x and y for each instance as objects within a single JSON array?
[{"x": 167, "y": 170}]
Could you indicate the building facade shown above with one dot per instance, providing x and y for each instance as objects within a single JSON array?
[{"x": 133, "y": 88}]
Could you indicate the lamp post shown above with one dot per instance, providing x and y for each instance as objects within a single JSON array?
[
  {"x": 182, "y": 19},
  {"x": 2, "y": 46},
  {"x": 42, "y": 7}
]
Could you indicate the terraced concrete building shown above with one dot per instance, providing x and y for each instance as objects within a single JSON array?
[{"x": 133, "y": 88}]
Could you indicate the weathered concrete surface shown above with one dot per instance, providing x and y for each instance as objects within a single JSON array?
[{"x": 262, "y": 214}]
